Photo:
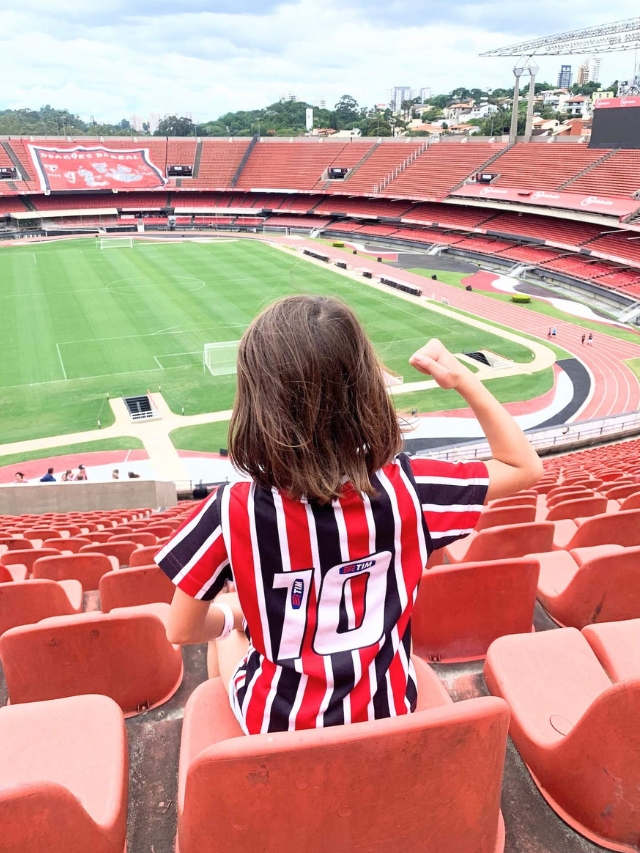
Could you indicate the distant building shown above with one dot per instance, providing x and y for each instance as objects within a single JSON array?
[
  {"x": 565, "y": 77},
  {"x": 398, "y": 95},
  {"x": 583, "y": 74},
  {"x": 136, "y": 123},
  {"x": 288, "y": 97},
  {"x": 577, "y": 106},
  {"x": 154, "y": 121},
  {"x": 594, "y": 69},
  {"x": 424, "y": 94}
]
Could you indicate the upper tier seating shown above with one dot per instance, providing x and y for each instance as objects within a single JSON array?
[
  {"x": 63, "y": 776},
  {"x": 303, "y": 165},
  {"x": 303, "y": 785},
  {"x": 541, "y": 166},
  {"x": 451, "y": 214},
  {"x": 441, "y": 167},
  {"x": 382, "y": 160},
  {"x": 219, "y": 163},
  {"x": 577, "y": 732},
  {"x": 617, "y": 175}
]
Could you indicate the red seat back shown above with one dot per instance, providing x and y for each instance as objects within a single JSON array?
[
  {"x": 85, "y": 567},
  {"x": 24, "y": 602},
  {"x": 130, "y": 587}
]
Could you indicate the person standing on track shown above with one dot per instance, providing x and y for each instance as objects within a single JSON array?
[
  {"x": 583, "y": 338},
  {"x": 590, "y": 339},
  {"x": 327, "y": 540}
]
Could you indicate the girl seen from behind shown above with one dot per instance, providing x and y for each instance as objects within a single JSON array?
[{"x": 327, "y": 540}]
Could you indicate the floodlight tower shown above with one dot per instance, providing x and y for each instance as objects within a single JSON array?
[{"x": 523, "y": 67}]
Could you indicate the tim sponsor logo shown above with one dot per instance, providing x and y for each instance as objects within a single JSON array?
[
  {"x": 297, "y": 594},
  {"x": 354, "y": 568}
]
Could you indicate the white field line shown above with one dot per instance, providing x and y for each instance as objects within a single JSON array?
[
  {"x": 34, "y": 258},
  {"x": 155, "y": 358},
  {"x": 64, "y": 372}
]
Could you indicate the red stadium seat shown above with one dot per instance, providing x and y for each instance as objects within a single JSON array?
[
  {"x": 496, "y": 516},
  {"x": 25, "y": 602},
  {"x": 16, "y": 543},
  {"x": 570, "y": 494},
  {"x": 577, "y": 733},
  {"x": 140, "y": 538},
  {"x": 145, "y": 556},
  {"x": 617, "y": 647},
  {"x": 124, "y": 654},
  {"x": 63, "y": 776},
  {"x": 322, "y": 789},
  {"x": 72, "y": 544},
  {"x": 501, "y": 543},
  {"x": 587, "y": 585},
  {"x": 462, "y": 609},
  {"x": 576, "y": 508},
  {"x": 516, "y": 500},
  {"x": 619, "y": 528},
  {"x": 160, "y": 530},
  {"x": 87, "y": 568},
  {"x": 619, "y": 493},
  {"x": 122, "y": 551},
  {"x": 13, "y": 573},
  {"x": 130, "y": 587},
  {"x": 27, "y": 557}
]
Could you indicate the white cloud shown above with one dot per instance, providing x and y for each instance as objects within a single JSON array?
[{"x": 116, "y": 58}]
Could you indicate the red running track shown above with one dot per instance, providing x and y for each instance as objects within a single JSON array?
[{"x": 615, "y": 387}]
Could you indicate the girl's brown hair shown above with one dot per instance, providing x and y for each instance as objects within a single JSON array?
[{"x": 312, "y": 407}]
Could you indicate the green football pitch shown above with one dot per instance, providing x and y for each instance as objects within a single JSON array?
[{"x": 79, "y": 324}]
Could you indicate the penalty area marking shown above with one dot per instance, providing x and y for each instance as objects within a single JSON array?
[{"x": 64, "y": 372}]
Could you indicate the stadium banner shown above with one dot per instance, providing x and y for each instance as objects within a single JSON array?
[
  {"x": 571, "y": 201},
  {"x": 616, "y": 103},
  {"x": 94, "y": 167}
]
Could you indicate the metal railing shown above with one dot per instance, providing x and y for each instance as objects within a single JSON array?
[{"x": 399, "y": 169}]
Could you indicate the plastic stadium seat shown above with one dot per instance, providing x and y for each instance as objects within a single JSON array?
[
  {"x": 619, "y": 493},
  {"x": 124, "y": 654},
  {"x": 502, "y": 543},
  {"x": 145, "y": 556},
  {"x": 42, "y": 533},
  {"x": 160, "y": 530},
  {"x": 462, "y": 609},
  {"x": 577, "y": 508},
  {"x": 139, "y": 538},
  {"x": 63, "y": 776},
  {"x": 16, "y": 543},
  {"x": 120, "y": 550},
  {"x": 101, "y": 535},
  {"x": 617, "y": 647},
  {"x": 577, "y": 732},
  {"x": 24, "y": 602},
  {"x": 619, "y": 528},
  {"x": 568, "y": 495},
  {"x": 87, "y": 568},
  {"x": 72, "y": 544},
  {"x": 588, "y": 585},
  {"x": 130, "y": 587},
  {"x": 27, "y": 557},
  {"x": 13, "y": 573},
  {"x": 496, "y": 516},
  {"x": 632, "y": 502},
  {"x": 322, "y": 789},
  {"x": 516, "y": 500}
]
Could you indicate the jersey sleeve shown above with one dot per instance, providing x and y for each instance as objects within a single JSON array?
[
  {"x": 451, "y": 495},
  {"x": 195, "y": 558}
]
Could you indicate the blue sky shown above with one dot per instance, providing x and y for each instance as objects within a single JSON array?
[{"x": 113, "y": 59}]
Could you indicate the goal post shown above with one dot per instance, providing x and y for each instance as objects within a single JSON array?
[
  {"x": 220, "y": 359},
  {"x": 115, "y": 242}
]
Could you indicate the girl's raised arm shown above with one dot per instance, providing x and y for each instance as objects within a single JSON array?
[{"x": 515, "y": 464}]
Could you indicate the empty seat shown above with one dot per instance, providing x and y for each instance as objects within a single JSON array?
[
  {"x": 63, "y": 776},
  {"x": 86, "y": 567},
  {"x": 120, "y": 550},
  {"x": 588, "y": 585},
  {"x": 343, "y": 788},
  {"x": 25, "y": 602},
  {"x": 72, "y": 544},
  {"x": 42, "y": 533},
  {"x": 13, "y": 573},
  {"x": 462, "y": 609},
  {"x": 145, "y": 556},
  {"x": 27, "y": 557},
  {"x": 139, "y": 538},
  {"x": 617, "y": 647},
  {"x": 130, "y": 587},
  {"x": 101, "y": 535},
  {"x": 577, "y": 732},
  {"x": 501, "y": 543},
  {"x": 124, "y": 654},
  {"x": 619, "y": 528},
  {"x": 516, "y": 500},
  {"x": 576, "y": 508},
  {"x": 619, "y": 493},
  {"x": 16, "y": 543},
  {"x": 161, "y": 530},
  {"x": 496, "y": 516}
]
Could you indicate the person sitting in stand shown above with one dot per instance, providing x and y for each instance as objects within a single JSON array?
[
  {"x": 67, "y": 476},
  {"x": 327, "y": 541},
  {"x": 48, "y": 477},
  {"x": 82, "y": 473},
  {"x": 19, "y": 477},
  {"x": 115, "y": 474}
]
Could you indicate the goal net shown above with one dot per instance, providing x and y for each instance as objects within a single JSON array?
[
  {"x": 220, "y": 359},
  {"x": 116, "y": 242}
]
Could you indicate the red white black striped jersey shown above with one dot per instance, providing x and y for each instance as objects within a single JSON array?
[{"x": 327, "y": 591}]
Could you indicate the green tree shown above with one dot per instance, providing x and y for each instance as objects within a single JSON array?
[
  {"x": 347, "y": 112},
  {"x": 174, "y": 126}
]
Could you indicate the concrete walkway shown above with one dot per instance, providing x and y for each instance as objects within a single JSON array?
[{"x": 154, "y": 434}]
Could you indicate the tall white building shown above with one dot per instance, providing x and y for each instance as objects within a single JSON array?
[
  {"x": 425, "y": 94},
  {"x": 136, "y": 123},
  {"x": 154, "y": 121},
  {"x": 399, "y": 94}
]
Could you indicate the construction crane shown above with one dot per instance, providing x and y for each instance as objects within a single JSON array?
[{"x": 608, "y": 38}]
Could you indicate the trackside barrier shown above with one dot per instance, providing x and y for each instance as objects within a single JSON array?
[
  {"x": 316, "y": 255},
  {"x": 548, "y": 440}
]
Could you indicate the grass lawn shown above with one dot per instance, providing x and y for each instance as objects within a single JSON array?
[
  {"x": 634, "y": 364},
  {"x": 539, "y": 306},
  {"x": 209, "y": 438},
  {"x": 72, "y": 449},
  {"x": 78, "y": 324}
]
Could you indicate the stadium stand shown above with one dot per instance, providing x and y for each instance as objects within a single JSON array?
[
  {"x": 439, "y": 169},
  {"x": 618, "y": 174},
  {"x": 219, "y": 163},
  {"x": 377, "y": 165},
  {"x": 305, "y": 164},
  {"x": 543, "y": 167}
]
